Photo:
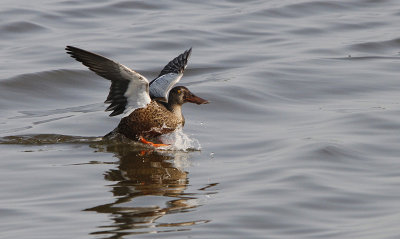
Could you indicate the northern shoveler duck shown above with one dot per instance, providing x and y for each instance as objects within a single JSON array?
[{"x": 151, "y": 109}]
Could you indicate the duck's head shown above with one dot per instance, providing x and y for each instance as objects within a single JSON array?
[{"x": 180, "y": 95}]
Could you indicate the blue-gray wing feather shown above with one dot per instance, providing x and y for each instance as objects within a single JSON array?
[{"x": 169, "y": 76}]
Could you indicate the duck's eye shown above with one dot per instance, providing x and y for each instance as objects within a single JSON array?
[{"x": 179, "y": 91}]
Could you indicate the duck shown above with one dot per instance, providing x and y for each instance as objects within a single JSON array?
[{"x": 150, "y": 109}]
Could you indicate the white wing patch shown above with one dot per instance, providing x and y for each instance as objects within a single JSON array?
[
  {"x": 137, "y": 93},
  {"x": 161, "y": 86}
]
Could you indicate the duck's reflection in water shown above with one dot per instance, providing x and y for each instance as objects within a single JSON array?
[{"x": 148, "y": 185}]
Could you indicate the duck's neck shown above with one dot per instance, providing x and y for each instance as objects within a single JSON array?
[{"x": 176, "y": 109}]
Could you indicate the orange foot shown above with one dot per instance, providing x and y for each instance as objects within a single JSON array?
[{"x": 141, "y": 139}]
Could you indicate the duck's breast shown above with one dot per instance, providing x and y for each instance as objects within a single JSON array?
[{"x": 152, "y": 120}]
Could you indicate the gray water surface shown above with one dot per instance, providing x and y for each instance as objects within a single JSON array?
[{"x": 300, "y": 140}]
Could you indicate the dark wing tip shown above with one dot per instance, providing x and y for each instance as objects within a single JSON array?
[
  {"x": 116, "y": 112},
  {"x": 73, "y": 50},
  {"x": 77, "y": 53},
  {"x": 178, "y": 64},
  {"x": 117, "y": 108},
  {"x": 116, "y": 97},
  {"x": 189, "y": 50},
  {"x": 68, "y": 48},
  {"x": 187, "y": 53}
]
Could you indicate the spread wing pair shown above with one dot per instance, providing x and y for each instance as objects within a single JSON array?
[{"x": 130, "y": 90}]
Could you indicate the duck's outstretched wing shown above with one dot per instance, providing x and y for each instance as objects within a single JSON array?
[
  {"x": 169, "y": 76},
  {"x": 129, "y": 90}
]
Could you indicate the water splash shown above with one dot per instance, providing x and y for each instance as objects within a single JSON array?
[{"x": 178, "y": 140}]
